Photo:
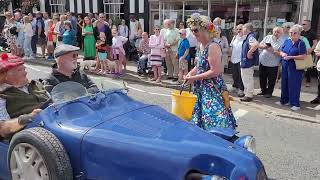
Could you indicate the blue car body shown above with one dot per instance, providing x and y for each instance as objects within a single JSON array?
[{"x": 111, "y": 136}]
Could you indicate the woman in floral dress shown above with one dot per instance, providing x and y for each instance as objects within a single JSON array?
[{"x": 212, "y": 107}]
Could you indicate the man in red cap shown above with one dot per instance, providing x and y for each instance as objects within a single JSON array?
[{"x": 20, "y": 100}]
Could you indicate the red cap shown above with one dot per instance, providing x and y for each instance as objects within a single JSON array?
[{"x": 7, "y": 63}]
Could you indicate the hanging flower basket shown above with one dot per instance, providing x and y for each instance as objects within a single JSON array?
[
  {"x": 4, "y": 5},
  {"x": 30, "y": 5}
]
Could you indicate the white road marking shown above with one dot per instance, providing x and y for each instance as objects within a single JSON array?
[
  {"x": 35, "y": 69},
  {"x": 240, "y": 113}
]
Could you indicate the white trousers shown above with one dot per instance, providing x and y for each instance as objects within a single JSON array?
[{"x": 248, "y": 81}]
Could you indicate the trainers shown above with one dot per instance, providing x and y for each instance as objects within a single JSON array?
[
  {"x": 280, "y": 104},
  {"x": 295, "y": 108},
  {"x": 25, "y": 58},
  {"x": 246, "y": 99},
  {"x": 240, "y": 93},
  {"x": 315, "y": 101},
  {"x": 260, "y": 94}
]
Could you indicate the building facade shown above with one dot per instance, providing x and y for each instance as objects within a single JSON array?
[
  {"x": 264, "y": 14},
  {"x": 115, "y": 9}
]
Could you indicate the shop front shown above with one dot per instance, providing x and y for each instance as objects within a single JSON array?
[{"x": 264, "y": 14}]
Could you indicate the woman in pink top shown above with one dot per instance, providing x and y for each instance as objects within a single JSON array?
[{"x": 156, "y": 43}]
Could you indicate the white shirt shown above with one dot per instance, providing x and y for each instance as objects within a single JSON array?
[
  {"x": 123, "y": 30},
  {"x": 268, "y": 58},
  {"x": 4, "y": 115},
  {"x": 133, "y": 28},
  {"x": 28, "y": 30},
  {"x": 191, "y": 38},
  {"x": 236, "y": 45}
]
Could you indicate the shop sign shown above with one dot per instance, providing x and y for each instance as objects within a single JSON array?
[
  {"x": 257, "y": 24},
  {"x": 271, "y": 23}
]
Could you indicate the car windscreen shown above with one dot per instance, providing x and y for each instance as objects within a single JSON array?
[{"x": 67, "y": 91}]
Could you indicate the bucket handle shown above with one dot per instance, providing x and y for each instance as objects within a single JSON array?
[{"x": 183, "y": 86}]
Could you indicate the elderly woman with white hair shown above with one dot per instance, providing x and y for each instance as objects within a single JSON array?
[{"x": 293, "y": 49}]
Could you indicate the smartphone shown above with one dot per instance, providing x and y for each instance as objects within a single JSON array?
[{"x": 268, "y": 44}]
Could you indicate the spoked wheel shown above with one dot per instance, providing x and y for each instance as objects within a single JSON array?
[
  {"x": 37, "y": 154},
  {"x": 27, "y": 163}
]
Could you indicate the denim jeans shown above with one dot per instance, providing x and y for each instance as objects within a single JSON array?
[{"x": 142, "y": 64}]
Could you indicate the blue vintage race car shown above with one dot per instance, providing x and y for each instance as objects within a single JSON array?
[{"x": 108, "y": 135}]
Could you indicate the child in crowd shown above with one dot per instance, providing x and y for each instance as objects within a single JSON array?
[
  {"x": 28, "y": 33},
  {"x": 50, "y": 46},
  {"x": 183, "y": 54},
  {"x": 118, "y": 50},
  {"x": 102, "y": 53}
]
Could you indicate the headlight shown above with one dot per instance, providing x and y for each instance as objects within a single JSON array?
[
  {"x": 214, "y": 177},
  {"x": 262, "y": 175},
  {"x": 247, "y": 142}
]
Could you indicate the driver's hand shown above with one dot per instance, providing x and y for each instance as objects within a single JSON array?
[{"x": 27, "y": 118}]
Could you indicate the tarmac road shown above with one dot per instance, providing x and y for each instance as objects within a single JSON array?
[{"x": 289, "y": 149}]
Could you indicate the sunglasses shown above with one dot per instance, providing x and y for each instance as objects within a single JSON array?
[
  {"x": 195, "y": 30},
  {"x": 75, "y": 55},
  {"x": 239, "y": 29},
  {"x": 157, "y": 29},
  {"x": 101, "y": 17},
  {"x": 293, "y": 32},
  {"x": 182, "y": 33},
  {"x": 304, "y": 24}
]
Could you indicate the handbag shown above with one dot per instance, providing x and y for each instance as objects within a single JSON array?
[{"x": 305, "y": 63}]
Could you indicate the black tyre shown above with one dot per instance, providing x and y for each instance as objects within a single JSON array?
[{"x": 36, "y": 153}]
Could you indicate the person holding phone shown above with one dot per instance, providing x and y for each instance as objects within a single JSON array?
[{"x": 270, "y": 61}]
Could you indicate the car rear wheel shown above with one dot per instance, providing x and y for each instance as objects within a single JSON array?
[{"x": 36, "y": 153}]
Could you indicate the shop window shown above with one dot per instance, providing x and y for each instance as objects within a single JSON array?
[
  {"x": 57, "y": 6},
  {"x": 113, "y": 8}
]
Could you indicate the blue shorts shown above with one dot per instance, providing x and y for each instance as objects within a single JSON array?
[{"x": 102, "y": 56}]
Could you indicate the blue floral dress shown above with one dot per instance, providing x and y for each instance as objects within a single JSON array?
[{"x": 209, "y": 110}]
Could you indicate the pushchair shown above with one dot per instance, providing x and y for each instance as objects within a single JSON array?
[{"x": 132, "y": 53}]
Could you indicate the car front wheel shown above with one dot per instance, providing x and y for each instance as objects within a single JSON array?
[{"x": 36, "y": 153}]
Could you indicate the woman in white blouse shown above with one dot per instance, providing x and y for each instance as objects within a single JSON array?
[{"x": 236, "y": 47}]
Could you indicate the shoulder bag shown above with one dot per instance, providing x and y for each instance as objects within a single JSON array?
[{"x": 305, "y": 63}]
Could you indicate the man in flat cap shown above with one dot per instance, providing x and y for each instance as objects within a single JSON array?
[
  {"x": 20, "y": 100},
  {"x": 66, "y": 69}
]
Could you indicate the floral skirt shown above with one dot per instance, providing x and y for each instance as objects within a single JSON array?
[{"x": 210, "y": 110}]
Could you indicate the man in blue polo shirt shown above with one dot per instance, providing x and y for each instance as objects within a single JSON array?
[{"x": 183, "y": 54}]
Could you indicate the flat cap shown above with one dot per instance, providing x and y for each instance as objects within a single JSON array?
[{"x": 64, "y": 49}]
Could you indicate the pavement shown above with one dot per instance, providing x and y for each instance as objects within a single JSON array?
[
  {"x": 288, "y": 148},
  {"x": 308, "y": 112}
]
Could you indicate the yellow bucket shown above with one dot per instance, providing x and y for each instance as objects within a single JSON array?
[{"x": 182, "y": 105}]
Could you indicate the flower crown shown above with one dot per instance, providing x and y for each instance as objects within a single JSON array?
[{"x": 203, "y": 21}]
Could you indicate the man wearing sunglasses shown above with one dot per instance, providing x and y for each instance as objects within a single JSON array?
[
  {"x": 66, "y": 69},
  {"x": 312, "y": 38}
]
